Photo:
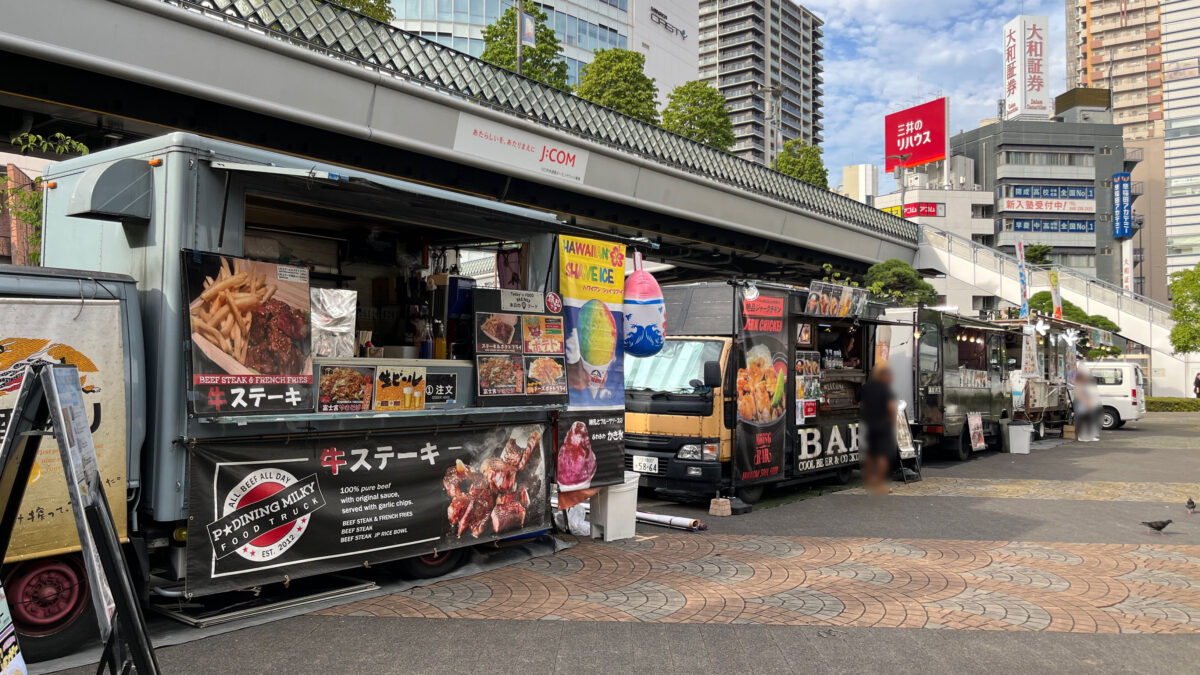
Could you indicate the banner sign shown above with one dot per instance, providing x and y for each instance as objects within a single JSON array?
[
  {"x": 917, "y": 210},
  {"x": 1026, "y": 68},
  {"x": 761, "y": 385},
  {"x": 592, "y": 282},
  {"x": 920, "y": 132},
  {"x": 1055, "y": 293},
  {"x": 1069, "y": 226},
  {"x": 87, "y": 335},
  {"x": 316, "y": 505},
  {"x": 591, "y": 452},
  {"x": 499, "y": 143},
  {"x": 1050, "y": 205},
  {"x": 1122, "y": 206},
  {"x": 827, "y": 445},
  {"x": 975, "y": 425},
  {"x": 251, "y": 346},
  {"x": 1029, "y": 358},
  {"x": 1054, "y": 191},
  {"x": 834, "y": 300},
  {"x": 1023, "y": 275}
]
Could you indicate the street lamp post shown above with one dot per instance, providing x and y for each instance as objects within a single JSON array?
[{"x": 898, "y": 174}]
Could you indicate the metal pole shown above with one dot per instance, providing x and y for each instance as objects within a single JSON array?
[{"x": 520, "y": 33}]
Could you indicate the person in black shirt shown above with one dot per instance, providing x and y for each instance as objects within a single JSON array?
[
  {"x": 1196, "y": 385},
  {"x": 878, "y": 407}
]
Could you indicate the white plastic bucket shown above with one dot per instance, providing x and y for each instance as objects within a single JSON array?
[
  {"x": 614, "y": 510},
  {"x": 1020, "y": 437}
]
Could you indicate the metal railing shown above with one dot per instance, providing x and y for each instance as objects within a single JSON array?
[
  {"x": 351, "y": 37},
  {"x": 1102, "y": 291}
]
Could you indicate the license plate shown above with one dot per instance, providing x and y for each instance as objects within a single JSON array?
[{"x": 645, "y": 464}]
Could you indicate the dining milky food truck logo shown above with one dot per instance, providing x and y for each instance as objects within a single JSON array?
[{"x": 265, "y": 514}]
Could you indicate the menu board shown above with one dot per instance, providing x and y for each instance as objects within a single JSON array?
[
  {"x": 399, "y": 388},
  {"x": 808, "y": 382},
  {"x": 834, "y": 300},
  {"x": 345, "y": 388},
  {"x": 251, "y": 347},
  {"x": 520, "y": 345}
]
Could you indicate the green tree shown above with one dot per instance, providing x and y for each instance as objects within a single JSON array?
[
  {"x": 542, "y": 62},
  {"x": 803, "y": 161},
  {"x": 380, "y": 10},
  {"x": 25, "y": 201},
  {"x": 697, "y": 110},
  {"x": 1185, "y": 293},
  {"x": 1038, "y": 254},
  {"x": 1043, "y": 302},
  {"x": 898, "y": 280},
  {"x": 616, "y": 78}
]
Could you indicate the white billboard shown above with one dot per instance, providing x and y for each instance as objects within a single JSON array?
[{"x": 1026, "y": 68}]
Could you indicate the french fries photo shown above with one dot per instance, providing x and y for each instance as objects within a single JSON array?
[{"x": 222, "y": 313}]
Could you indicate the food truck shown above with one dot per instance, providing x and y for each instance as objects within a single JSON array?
[
  {"x": 956, "y": 372},
  {"x": 948, "y": 369},
  {"x": 291, "y": 375},
  {"x": 757, "y": 385}
]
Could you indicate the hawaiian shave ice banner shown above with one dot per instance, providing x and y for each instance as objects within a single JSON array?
[{"x": 592, "y": 283}]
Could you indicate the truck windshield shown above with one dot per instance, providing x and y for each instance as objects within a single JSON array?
[{"x": 672, "y": 369}]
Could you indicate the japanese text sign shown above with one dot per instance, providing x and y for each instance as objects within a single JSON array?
[
  {"x": 1026, "y": 67},
  {"x": 921, "y": 132}
]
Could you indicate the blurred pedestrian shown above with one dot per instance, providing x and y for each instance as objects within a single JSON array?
[
  {"x": 1087, "y": 407},
  {"x": 878, "y": 407},
  {"x": 1196, "y": 385}
]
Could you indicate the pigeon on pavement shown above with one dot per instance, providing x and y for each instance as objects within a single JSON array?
[
  {"x": 1157, "y": 525},
  {"x": 1191, "y": 506}
]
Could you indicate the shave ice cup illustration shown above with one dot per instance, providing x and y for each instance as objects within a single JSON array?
[{"x": 591, "y": 348}]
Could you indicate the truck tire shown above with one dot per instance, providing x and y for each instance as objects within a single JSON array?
[
  {"x": 433, "y": 564},
  {"x": 962, "y": 448},
  {"x": 1110, "y": 418},
  {"x": 750, "y": 495},
  {"x": 51, "y": 606}
]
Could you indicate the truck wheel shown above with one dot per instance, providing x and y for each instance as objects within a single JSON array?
[
  {"x": 51, "y": 606},
  {"x": 962, "y": 451},
  {"x": 433, "y": 564},
  {"x": 1110, "y": 418},
  {"x": 750, "y": 495}
]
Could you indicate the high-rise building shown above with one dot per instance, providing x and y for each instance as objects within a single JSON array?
[
  {"x": 665, "y": 31},
  {"x": 765, "y": 57},
  {"x": 1181, "y": 75},
  {"x": 582, "y": 26},
  {"x": 860, "y": 182},
  {"x": 1117, "y": 45}
]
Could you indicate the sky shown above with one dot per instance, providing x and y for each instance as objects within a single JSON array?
[{"x": 886, "y": 55}]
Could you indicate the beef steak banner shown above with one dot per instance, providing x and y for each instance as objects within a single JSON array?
[{"x": 259, "y": 512}]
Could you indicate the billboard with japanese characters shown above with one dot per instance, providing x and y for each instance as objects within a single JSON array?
[
  {"x": 922, "y": 133},
  {"x": 1026, "y": 67},
  {"x": 1122, "y": 206},
  {"x": 261, "y": 514}
]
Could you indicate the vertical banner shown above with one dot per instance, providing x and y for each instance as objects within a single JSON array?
[
  {"x": 1055, "y": 293},
  {"x": 975, "y": 424},
  {"x": 528, "y": 30},
  {"x": 1029, "y": 359},
  {"x": 1122, "y": 190},
  {"x": 591, "y": 433},
  {"x": 761, "y": 385},
  {"x": 1024, "y": 277}
]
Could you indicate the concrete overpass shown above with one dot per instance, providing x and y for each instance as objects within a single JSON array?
[{"x": 316, "y": 80}]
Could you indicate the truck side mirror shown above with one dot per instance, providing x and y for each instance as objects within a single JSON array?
[{"x": 712, "y": 374}]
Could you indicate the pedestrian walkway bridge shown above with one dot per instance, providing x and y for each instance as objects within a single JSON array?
[{"x": 1142, "y": 320}]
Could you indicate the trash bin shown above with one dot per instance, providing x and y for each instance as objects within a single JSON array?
[
  {"x": 614, "y": 510},
  {"x": 1020, "y": 437}
]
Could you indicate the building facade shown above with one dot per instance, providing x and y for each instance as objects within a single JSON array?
[
  {"x": 860, "y": 182},
  {"x": 766, "y": 58},
  {"x": 666, "y": 32},
  {"x": 1052, "y": 183},
  {"x": 582, "y": 26},
  {"x": 1117, "y": 45},
  {"x": 1181, "y": 75}
]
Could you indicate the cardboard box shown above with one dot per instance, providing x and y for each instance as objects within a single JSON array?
[{"x": 1068, "y": 432}]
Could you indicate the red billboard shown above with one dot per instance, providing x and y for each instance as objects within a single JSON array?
[{"x": 921, "y": 132}]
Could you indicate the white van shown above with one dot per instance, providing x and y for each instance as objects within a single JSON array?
[{"x": 1122, "y": 389}]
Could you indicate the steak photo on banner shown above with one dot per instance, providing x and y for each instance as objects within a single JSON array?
[
  {"x": 763, "y": 367},
  {"x": 307, "y": 507},
  {"x": 251, "y": 343}
]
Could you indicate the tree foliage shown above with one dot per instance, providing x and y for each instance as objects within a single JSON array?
[
  {"x": 380, "y": 10},
  {"x": 1043, "y": 302},
  {"x": 25, "y": 201},
  {"x": 1185, "y": 293},
  {"x": 542, "y": 62},
  {"x": 1038, "y": 254},
  {"x": 898, "y": 280},
  {"x": 803, "y": 161},
  {"x": 616, "y": 78},
  {"x": 697, "y": 110}
]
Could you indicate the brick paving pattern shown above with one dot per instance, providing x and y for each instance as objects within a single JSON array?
[
  {"x": 1101, "y": 491},
  {"x": 688, "y": 578}
]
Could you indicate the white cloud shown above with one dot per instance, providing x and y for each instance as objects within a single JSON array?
[{"x": 885, "y": 55}]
